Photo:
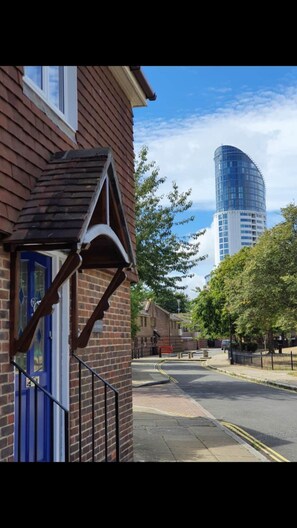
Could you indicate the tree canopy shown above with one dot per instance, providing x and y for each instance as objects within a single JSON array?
[
  {"x": 211, "y": 310},
  {"x": 173, "y": 301},
  {"x": 256, "y": 287},
  {"x": 266, "y": 298},
  {"x": 164, "y": 258}
]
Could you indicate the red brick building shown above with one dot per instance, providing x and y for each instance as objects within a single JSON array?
[
  {"x": 154, "y": 317},
  {"x": 156, "y": 327},
  {"x": 66, "y": 253}
]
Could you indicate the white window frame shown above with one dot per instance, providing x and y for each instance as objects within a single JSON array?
[{"x": 41, "y": 99}]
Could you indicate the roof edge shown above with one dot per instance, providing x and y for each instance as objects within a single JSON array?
[
  {"x": 144, "y": 84},
  {"x": 130, "y": 86}
]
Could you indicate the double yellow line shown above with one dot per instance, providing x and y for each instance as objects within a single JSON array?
[
  {"x": 159, "y": 368},
  {"x": 255, "y": 443}
]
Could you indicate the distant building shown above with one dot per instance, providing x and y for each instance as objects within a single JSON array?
[
  {"x": 153, "y": 318},
  {"x": 240, "y": 216},
  {"x": 159, "y": 327}
]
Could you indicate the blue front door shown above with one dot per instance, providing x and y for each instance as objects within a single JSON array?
[{"x": 33, "y": 425}]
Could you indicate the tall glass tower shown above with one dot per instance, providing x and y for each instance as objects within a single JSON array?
[{"x": 240, "y": 216}]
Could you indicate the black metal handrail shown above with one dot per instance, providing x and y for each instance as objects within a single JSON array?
[
  {"x": 53, "y": 401},
  {"x": 116, "y": 404}
]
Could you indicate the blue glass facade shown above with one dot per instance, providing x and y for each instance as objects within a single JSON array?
[
  {"x": 239, "y": 183},
  {"x": 240, "y": 217}
]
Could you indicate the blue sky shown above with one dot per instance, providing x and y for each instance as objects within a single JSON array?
[{"x": 199, "y": 108}]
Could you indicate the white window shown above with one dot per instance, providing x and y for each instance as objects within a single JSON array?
[{"x": 57, "y": 87}]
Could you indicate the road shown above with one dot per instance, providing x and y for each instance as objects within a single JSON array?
[{"x": 267, "y": 413}]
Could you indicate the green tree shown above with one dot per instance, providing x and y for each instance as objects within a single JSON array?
[
  {"x": 212, "y": 309},
  {"x": 173, "y": 301},
  {"x": 206, "y": 314},
  {"x": 265, "y": 295},
  {"x": 163, "y": 257}
]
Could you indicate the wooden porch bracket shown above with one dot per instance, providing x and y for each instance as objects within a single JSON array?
[
  {"x": 24, "y": 342},
  {"x": 81, "y": 341}
]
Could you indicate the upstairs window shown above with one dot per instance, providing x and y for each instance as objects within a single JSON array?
[
  {"x": 57, "y": 86},
  {"x": 50, "y": 80}
]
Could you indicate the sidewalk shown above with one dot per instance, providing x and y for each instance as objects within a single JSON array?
[
  {"x": 145, "y": 372},
  {"x": 286, "y": 379},
  {"x": 170, "y": 426}
]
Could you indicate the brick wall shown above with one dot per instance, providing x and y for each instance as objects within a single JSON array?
[
  {"x": 27, "y": 138},
  {"x": 6, "y": 371},
  {"x": 145, "y": 326}
]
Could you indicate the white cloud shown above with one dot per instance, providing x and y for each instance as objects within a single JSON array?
[
  {"x": 262, "y": 125},
  {"x": 207, "y": 244},
  {"x": 205, "y": 266}
]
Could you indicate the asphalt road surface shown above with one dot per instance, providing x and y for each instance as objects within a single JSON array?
[{"x": 267, "y": 413}]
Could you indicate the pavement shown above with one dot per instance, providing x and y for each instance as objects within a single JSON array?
[
  {"x": 170, "y": 426},
  {"x": 285, "y": 379}
]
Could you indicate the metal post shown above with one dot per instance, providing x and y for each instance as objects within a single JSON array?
[
  {"x": 231, "y": 351},
  {"x": 51, "y": 404},
  {"x": 261, "y": 359},
  {"x": 272, "y": 361},
  {"x": 35, "y": 423},
  {"x": 20, "y": 417},
  {"x": 117, "y": 427},
  {"x": 105, "y": 422},
  {"x": 292, "y": 366},
  {"x": 93, "y": 418},
  {"x": 79, "y": 410}
]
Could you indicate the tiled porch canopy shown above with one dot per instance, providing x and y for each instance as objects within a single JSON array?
[{"x": 76, "y": 207}]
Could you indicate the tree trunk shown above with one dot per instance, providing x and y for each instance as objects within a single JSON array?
[{"x": 270, "y": 343}]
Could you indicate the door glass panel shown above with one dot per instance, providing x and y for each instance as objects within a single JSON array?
[
  {"x": 21, "y": 358},
  {"x": 39, "y": 289}
]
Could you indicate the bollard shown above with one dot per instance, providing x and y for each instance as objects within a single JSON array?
[{"x": 205, "y": 353}]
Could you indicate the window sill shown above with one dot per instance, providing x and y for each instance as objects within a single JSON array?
[{"x": 53, "y": 113}]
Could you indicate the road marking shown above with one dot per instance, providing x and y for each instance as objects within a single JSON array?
[
  {"x": 159, "y": 368},
  {"x": 255, "y": 443},
  {"x": 246, "y": 378}
]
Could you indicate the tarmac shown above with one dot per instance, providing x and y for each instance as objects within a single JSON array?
[
  {"x": 170, "y": 426},
  {"x": 285, "y": 379}
]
